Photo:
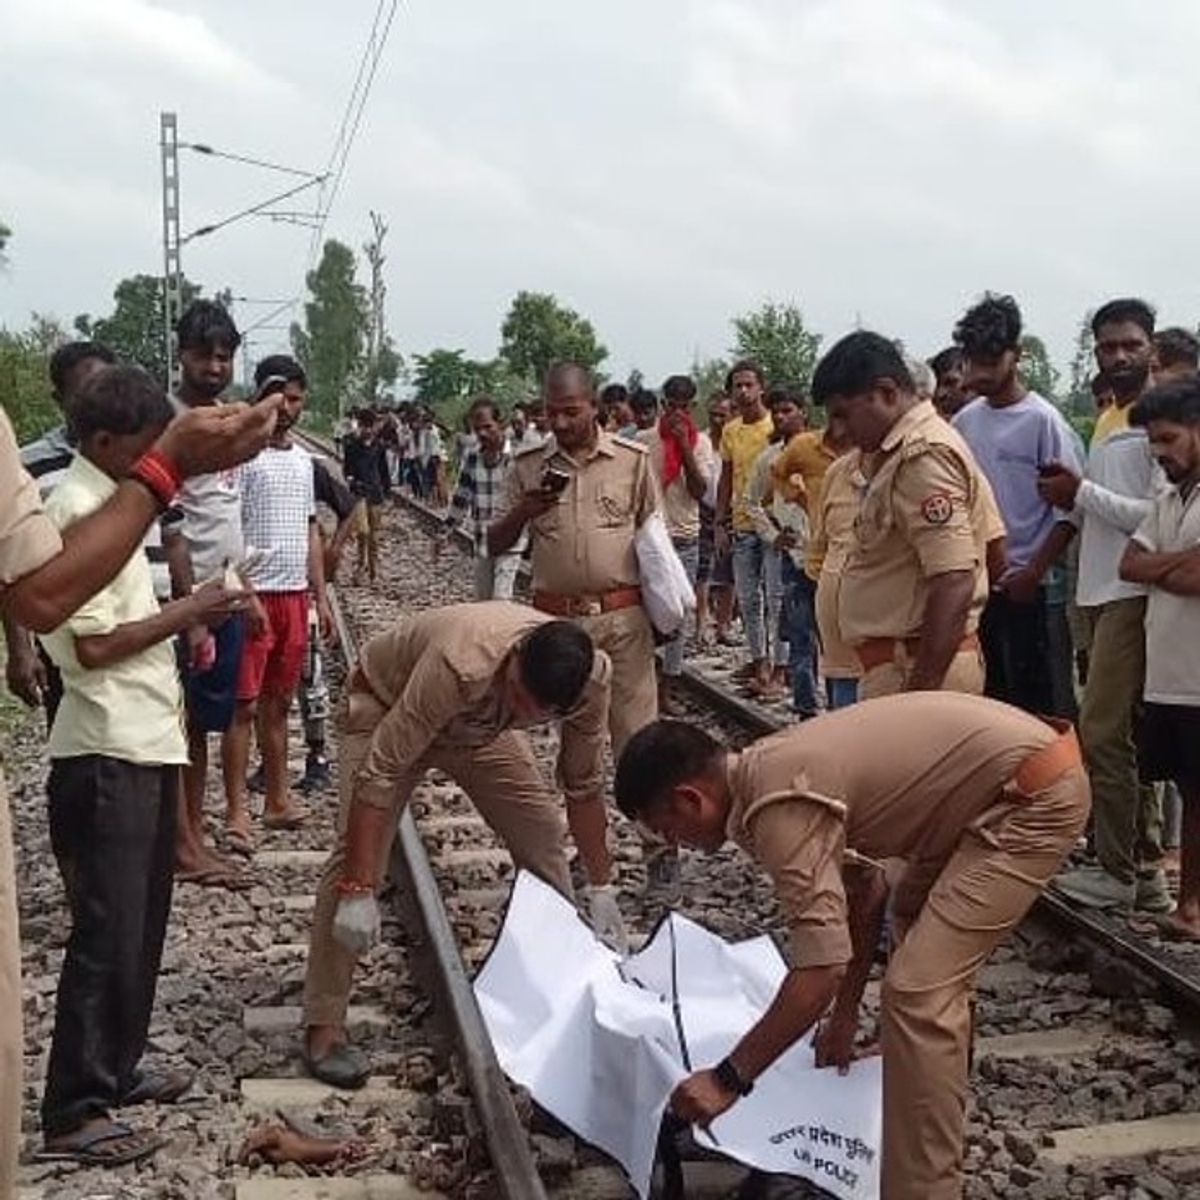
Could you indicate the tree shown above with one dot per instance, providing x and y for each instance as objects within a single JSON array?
[
  {"x": 332, "y": 340},
  {"x": 538, "y": 332},
  {"x": 136, "y": 329},
  {"x": 1038, "y": 372},
  {"x": 25, "y": 376},
  {"x": 383, "y": 361},
  {"x": 709, "y": 374},
  {"x": 1079, "y": 400},
  {"x": 775, "y": 337},
  {"x": 444, "y": 376}
]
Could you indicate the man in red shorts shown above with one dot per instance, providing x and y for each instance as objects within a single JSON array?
[{"x": 278, "y": 519}]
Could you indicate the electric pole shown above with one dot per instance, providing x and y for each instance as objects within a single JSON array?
[
  {"x": 375, "y": 331},
  {"x": 172, "y": 270}
]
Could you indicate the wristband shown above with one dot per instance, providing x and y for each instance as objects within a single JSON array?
[
  {"x": 729, "y": 1079},
  {"x": 353, "y": 887},
  {"x": 156, "y": 472}
]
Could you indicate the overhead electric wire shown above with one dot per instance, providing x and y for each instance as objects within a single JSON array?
[
  {"x": 364, "y": 78},
  {"x": 205, "y": 230}
]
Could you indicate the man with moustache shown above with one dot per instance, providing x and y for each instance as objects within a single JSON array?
[{"x": 1112, "y": 497}]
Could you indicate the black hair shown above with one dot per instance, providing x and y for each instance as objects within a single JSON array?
[
  {"x": 644, "y": 400},
  {"x": 120, "y": 400},
  {"x": 283, "y": 365},
  {"x": 520, "y": 407},
  {"x": 945, "y": 361},
  {"x": 1177, "y": 401},
  {"x": 782, "y": 393},
  {"x": 480, "y": 403},
  {"x": 614, "y": 393},
  {"x": 680, "y": 387},
  {"x": 556, "y": 661},
  {"x": 852, "y": 365},
  {"x": 1125, "y": 309},
  {"x": 205, "y": 325},
  {"x": 66, "y": 358},
  {"x": 658, "y": 758},
  {"x": 744, "y": 364},
  {"x": 1176, "y": 347},
  {"x": 990, "y": 328},
  {"x": 366, "y": 416}
]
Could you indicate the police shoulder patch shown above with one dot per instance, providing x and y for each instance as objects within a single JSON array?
[
  {"x": 619, "y": 439},
  {"x": 937, "y": 508}
]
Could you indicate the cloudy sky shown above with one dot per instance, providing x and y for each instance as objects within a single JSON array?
[{"x": 660, "y": 165}]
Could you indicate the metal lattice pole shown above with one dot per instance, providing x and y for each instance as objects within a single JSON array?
[{"x": 172, "y": 269}]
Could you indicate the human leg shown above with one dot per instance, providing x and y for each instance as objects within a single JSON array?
[
  {"x": 288, "y": 612},
  {"x": 504, "y": 576},
  {"x": 748, "y": 583},
  {"x": 688, "y": 550},
  {"x": 11, "y": 1041},
  {"x": 799, "y": 623},
  {"x": 998, "y": 870}
]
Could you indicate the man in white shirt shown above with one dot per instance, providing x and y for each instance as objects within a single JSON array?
[
  {"x": 1113, "y": 498},
  {"x": 684, "y": 463}
]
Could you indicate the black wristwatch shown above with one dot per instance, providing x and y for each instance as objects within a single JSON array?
[{"x": 728, "y": 1077}]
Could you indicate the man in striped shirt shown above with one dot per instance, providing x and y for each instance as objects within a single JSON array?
[
  {"x": 480, "y": 485},
  {"x": 29, "y": 674}
]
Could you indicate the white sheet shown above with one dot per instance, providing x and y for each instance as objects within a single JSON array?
[{"x": 595, "y": 1042}]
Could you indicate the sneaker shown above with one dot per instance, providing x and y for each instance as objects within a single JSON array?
[
  {"x": 316, "y": 775},
  {"x": 662, "y": 878},
  {"x": 1094, "y": 887},
  {"x": 1151, "y": 893}
]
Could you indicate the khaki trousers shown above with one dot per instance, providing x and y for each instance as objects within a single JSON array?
[
  {"x": 625, "y": 636},
  {"x": 1128, "y": 813},
  {"x": 504, "y": 783},
  {"x": 965, "y": 674},
  {"x": 1001, "y": 864},
  {"x": 10, "y": 1007}
]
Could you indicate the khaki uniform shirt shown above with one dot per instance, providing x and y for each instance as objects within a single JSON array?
[
  {"x": 437, "y": 675},
  {"x": 28, "y": 538},
  {"x": 583, "y": 546},
  {"x": 926, "y": 510},
  {"x": 803, "y": 797},
  {"x": 832, "y": 537}
]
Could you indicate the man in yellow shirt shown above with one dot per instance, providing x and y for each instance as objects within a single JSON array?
[{"x": 742, "y": 441}]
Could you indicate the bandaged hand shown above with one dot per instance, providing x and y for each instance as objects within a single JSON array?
[
  {"x": 356, "y": 922},
  {"x": 605, "y": 915}
]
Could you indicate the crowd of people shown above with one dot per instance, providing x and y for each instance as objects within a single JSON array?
[{"x": 938, "y": 578}]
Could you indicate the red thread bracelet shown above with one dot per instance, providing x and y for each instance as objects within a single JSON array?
[{"x": 158, "y": 473}]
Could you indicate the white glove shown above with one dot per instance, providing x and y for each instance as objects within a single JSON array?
[
  {"x": 605, "y": 915},
  {"x": 356, "y": 922}
]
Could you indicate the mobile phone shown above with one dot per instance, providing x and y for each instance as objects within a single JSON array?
[
  {"x": 268, "y": 387},
  {"x": 555, "y": 480}
]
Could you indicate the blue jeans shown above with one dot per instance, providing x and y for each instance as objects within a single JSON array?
[
  {"x": 840, "y": 692},
  {"x": 798, "y": 626},
  {"x": 689, "y": 554},
  {"x": 757, "y": 579}
]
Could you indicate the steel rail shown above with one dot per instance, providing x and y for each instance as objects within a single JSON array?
[{"x": 509, "y": 1148}]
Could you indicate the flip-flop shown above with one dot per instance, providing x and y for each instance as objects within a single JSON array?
[
  {"x": 229, "y": 878},
  {"x": 239, "y": 841},
  {"x": 1171, "y": 929},
  {"x": 82, "y": 1147},
  {"x": 285, "y": 821},
  {"x": 159, "y": 1087}
]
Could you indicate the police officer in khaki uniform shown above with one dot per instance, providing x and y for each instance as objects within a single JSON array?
[
  {"x": 451, "y": 689},
  {"x": 983, "y": 802},
  {"x": 916, "y": 577},
  {"x": 583, "y": 495},
  {"x": 45, "y": 576}
]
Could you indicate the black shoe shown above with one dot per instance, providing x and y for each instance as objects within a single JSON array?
[
  {"x": 316, "y": 776},
  {"x": 345, "y": 1066}
]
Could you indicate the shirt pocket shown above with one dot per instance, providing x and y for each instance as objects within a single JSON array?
[{"x": 614, "y": 506}]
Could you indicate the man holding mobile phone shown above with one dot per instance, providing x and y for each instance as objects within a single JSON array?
[{"x": 582, "y": 496}]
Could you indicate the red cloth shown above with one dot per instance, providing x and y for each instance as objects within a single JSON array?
[{"x": 672, "y": 454}]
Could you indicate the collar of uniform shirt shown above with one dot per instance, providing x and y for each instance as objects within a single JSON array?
[
  {"x": 921, "y": 411},
  {"x": 603, "y": 446}
]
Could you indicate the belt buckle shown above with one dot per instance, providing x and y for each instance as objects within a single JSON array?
[{"x": 589, "y": 607}]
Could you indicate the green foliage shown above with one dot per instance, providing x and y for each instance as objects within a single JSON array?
[
  {"x": 1038, "y": 372},
  {"x": 135, "y": 330},
  {"x": 709, "y": 375},
  {"x": 538, "y": 332},
  {"x": 25, "y": 376},
  {"x": 331, "y": 342},
  {"x": 775, "y": 337}
]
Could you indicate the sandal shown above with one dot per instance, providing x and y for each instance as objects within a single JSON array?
[
  {"x": 86, "y": 1146},
  {"x": 292, "y": 818},
  {"x": 159, "y": 1087},
  {"x": 239, "y": 841},
  {"x": 228, "y": 878}
]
